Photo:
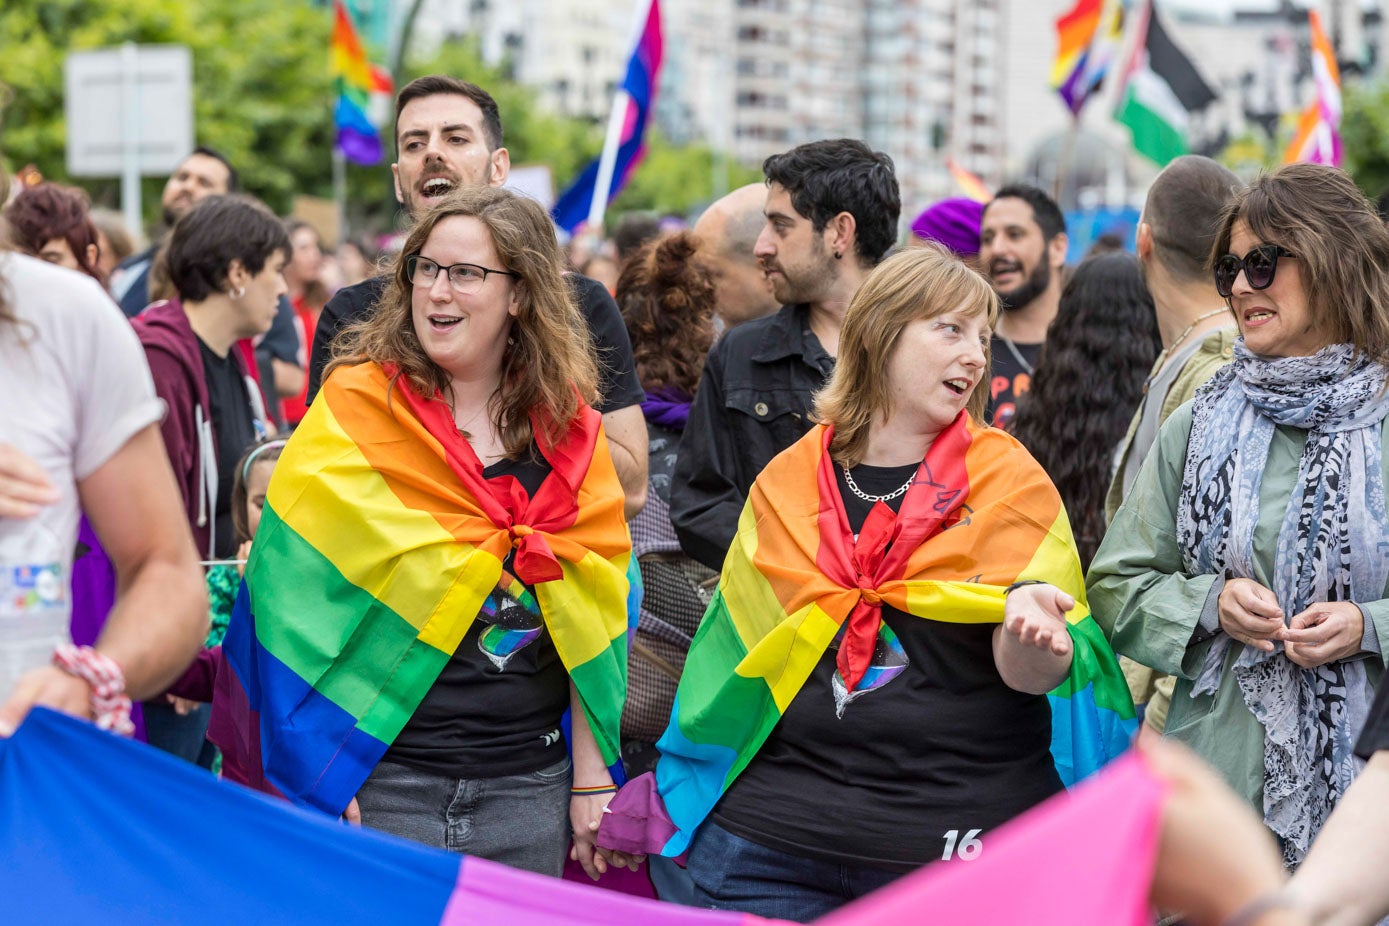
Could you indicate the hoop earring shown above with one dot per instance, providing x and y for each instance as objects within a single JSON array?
[
  {"x": 838, "y": 256},
  {"x": 237, "y": 292}
]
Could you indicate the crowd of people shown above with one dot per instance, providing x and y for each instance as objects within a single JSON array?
[{"x": 751, "y": 556}]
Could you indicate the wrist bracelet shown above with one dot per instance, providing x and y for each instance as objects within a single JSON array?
[
  {"x": 1250, "y": 913},
  {"x": 110, "y": 704},
  {"x": 593, "y": 790},
  {"x": 1020, "y": 583}
]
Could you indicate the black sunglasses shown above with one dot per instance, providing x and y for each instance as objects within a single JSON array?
[{"x": 1259, "y": 266}]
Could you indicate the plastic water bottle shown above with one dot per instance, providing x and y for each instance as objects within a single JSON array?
[{"x": 35, "y": 600}]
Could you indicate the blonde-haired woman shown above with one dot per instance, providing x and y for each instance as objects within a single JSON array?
[
  {"x": 868, "y": 690},
  {"x": 453, "y": 443}
]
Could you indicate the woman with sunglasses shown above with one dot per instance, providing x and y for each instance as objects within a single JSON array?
[
  {"x": 446, "y": 527},
  {"x": 1250, "y": 558}
]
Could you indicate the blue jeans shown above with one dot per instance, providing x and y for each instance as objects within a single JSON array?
[
  {"x": 183, "y": 735},
  {"x": 732, "y": 873},
  {"x": 518, "y": 820}
]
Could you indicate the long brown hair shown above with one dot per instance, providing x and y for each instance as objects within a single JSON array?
[
  {"x": 914, "y": 284},
  {"x": 548, "y": 363},
  {"x": 666, "y": 294},
  {"x": 1319, "y": 214}
]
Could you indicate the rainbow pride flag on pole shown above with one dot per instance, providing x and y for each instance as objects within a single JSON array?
[
  {"x": 378, "y": 544},
  {"x": 980, "y": 516},
  {"x": 972, "y": 185},
  {"x": 1087, "y": 42},
  {"x": 1318, "y": 135},
  {"x": 362, "y": 88},
  {"x": 587, "y": 197}
]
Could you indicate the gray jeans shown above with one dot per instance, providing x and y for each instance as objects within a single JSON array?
[{"x": 518, "y": 820}]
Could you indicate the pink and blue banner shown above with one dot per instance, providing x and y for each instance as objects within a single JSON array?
[
  {"x": 639, "y": 88},
  {"x": 98, "y": 829}
]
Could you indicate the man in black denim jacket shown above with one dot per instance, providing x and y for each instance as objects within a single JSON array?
[{"x": 831, "y": 211}]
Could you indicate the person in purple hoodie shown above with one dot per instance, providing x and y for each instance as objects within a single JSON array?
[{"x": 224, "y": 260}]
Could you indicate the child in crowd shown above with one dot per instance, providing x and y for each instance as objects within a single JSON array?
[{"x": 249, "y": 485}]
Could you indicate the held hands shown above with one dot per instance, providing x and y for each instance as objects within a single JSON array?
[
  {"x": 585, "y": 816},
  {"x": 1250, "y": 614},
  {"x": 1035, "y": 615},
  {"x": 24, "y": 487},
  {"x": 1326, "y": 632}
]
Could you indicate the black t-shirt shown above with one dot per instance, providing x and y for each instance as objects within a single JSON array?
[
  {"x": 495, "y": 708},
  {"x": 618, "y": 386},
  {"x": 233, "y": 428},
  {"x": 921, "y": 764},
  {"x": 1375, "y": 736},
  {"x": 1009, "y": 380}
]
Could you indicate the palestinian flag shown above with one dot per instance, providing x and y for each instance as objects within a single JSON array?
[
  {"x": 1161, "y": 90},
  {"x": 379, "y": 543},
  {"x": 980, "y": 516}
]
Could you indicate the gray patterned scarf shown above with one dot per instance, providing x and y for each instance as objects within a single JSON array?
[{"x": 1331, "y": 547}]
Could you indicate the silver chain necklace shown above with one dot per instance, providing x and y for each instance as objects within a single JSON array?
[
  {"x": 853, "y": 487},
  {"x": 1012, "y": 349}
]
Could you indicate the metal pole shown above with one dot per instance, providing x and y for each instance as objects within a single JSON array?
[
  {"x": 602, "y": 184},
  {"x": 130, "y": 138},
  {"x": 340, "y": 192}
]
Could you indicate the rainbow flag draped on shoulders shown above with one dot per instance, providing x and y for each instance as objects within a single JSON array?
[
  {"x": 378, "y": 544},
  {"x": 980, "y": 516}
]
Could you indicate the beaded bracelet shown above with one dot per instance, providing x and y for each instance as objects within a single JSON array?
[
  {"x": 110, "y": 703},
  {"x": 593, "y": 790}
]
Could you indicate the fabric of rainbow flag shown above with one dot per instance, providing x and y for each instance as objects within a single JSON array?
[
  {"x": 981, "y": 515},
  {"x": 379, "y": 544},
  {"x": 360, "y": 85},
  {"x": 1087, "y": 41},
  {"x": 110, "y": 831}
]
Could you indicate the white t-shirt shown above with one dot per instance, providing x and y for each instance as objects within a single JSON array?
[{"x": 74, "y": 388}]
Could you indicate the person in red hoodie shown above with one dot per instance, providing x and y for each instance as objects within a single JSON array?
[{"x": 224, "y": 259}]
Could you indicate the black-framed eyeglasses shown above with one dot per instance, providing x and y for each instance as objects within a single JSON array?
[
  {"x": 1259, "y": 266},
  {"x": 464, "y": 278}
]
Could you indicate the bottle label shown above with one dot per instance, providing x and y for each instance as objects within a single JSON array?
[{"x": 32, "y": 590}]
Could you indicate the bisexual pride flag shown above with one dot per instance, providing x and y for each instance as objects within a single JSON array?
[{"x": 635, "y": 101}]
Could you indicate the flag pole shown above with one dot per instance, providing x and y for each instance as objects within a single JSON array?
[
  {"x": 602, "y": 184},
  {"x": 340, "y": 192},
  {"x": 1065, "y": 158}
]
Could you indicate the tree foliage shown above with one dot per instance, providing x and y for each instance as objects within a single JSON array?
[
  {"x": 1365, "y": 135},
  {"x": 262, "y": 93}
]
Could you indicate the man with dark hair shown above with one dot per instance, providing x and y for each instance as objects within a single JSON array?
[
  {"x": 1175, "y": 235},
  {"x": 1022, "y": 248},
  {"x": 633, "y": 231},
  {"x": 830, "y": 217},
  {"x": 448, "y": 135},
  {"x": 205, "y": 172},
  {"x": 726, "y": 235}
]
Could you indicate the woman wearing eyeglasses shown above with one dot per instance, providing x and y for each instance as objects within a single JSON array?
[
  {"x": 1250, "y": 559},
  {"x": 441, "y": 561}
]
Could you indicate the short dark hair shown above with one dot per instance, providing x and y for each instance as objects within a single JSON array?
[
  {"x": 211, "y": 235},
  {"x": 1044, "y": 209},
  {"x": 233, "y": 178},
  {"x": 1184, "y": 207},
  {"x": 837, "y": 175},
  {"x": 436, "y": 84},
  {"x": 633, "y": 231}
]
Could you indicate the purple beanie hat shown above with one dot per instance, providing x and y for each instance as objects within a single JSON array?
[{"x": 953, "y": 223}]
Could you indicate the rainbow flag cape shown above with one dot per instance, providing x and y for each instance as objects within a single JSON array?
[
  {"x": 1318, "y": 135},
  {"x": 363, "y": 89},
  {"x": 378, "y": 544},
  {"x": 110, "y": 831},
  {"x": 1087, "y": 42},
  {"x": 633, "y": 108},
  {"x": 981, "y": 515}
]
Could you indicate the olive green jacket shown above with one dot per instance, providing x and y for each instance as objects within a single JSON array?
[{"x": 1150, "y": 608}]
